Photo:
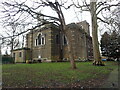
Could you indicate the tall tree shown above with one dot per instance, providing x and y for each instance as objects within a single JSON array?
[
  {"x": 111, "y": 47},
  {"x": 10, "y": 37},
  {"x": 115, "y": 20},
  {"x": 15, "y": 8},
  {"x": 95, "y": 7},
  {"x": 110, "y": 44},
  {"x": 105, "y": 40}
]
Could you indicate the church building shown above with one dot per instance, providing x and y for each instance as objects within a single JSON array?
[{"x": 48, "y": 44}]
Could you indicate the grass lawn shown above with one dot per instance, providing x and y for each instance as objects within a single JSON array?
[{"x": 53, "y": 74}]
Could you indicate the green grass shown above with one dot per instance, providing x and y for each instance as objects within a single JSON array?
[{"x": 51, "y": 74}]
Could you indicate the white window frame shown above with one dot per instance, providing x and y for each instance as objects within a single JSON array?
[
  {"x": 41, "y": 37},
  {"x": 36, "y": 43}
]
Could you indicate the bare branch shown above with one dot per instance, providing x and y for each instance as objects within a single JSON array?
[
  {"x": 102, "y": 20},
  {"x": 79, "y": 6},
  {"x": 24, "y": 8},
  {"x": 108, "y": 7},
  {"x": 100, "y": 4},
  {"x": 87, "y": 5}
]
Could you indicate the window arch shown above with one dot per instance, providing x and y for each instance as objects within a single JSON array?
[{"x": 40, "y": 40}]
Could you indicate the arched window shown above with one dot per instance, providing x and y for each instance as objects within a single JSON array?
[
  {"x": 64, "y": 40},
  {"x": 57, "y": 39},
  {"x": 40, "y": 40}
]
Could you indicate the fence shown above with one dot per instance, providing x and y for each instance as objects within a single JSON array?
[{"x": 6, "y": 59}]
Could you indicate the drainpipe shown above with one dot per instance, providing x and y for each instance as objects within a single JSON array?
[
  {"x": 60, "y": 47},
  {"x": 32, "y": 45}
]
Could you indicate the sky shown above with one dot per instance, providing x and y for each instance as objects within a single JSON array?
[{"x": 71, "y": 15}]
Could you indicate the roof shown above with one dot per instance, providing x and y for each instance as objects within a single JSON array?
[
  {"x": 44, "y": 27},
  {"x": 25, "y": 48}
]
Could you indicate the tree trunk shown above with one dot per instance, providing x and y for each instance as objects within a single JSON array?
[
  {"x": 96, "y": 50},
  {"x": 71, "y": 56},
  {"x": 12, "y": 41},
  {"x": 63, "y": 30}
]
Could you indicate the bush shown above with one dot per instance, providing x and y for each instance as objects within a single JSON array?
[{"x": 6, "y": 59}]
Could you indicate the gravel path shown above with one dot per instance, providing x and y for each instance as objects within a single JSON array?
[{"x": 112, "y": 81}]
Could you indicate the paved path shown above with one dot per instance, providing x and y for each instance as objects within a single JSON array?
[{"x": 112, "y": 81}]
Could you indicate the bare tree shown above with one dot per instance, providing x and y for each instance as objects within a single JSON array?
[
  {"x": 95, "y": 7},
  {"x": 114, "y": 19},
  {"x": 14, "y": 29},
  {"x": 17, "y": 8},
  {"x": 9, "y": 37}
]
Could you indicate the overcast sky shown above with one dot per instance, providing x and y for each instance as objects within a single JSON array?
[{"x": 71, "y": 15}]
